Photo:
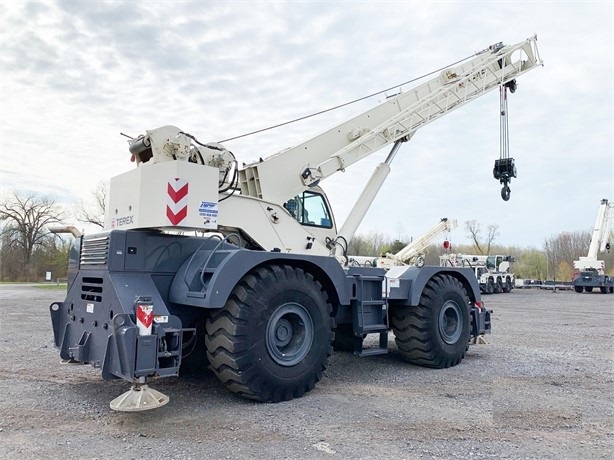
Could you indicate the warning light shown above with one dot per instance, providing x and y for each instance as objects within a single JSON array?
[{"x": 446, "y": 244}]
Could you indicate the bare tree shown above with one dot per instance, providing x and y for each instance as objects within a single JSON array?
[
  {"x": 24, "y": 221},
  {"x": 493, "y": 232},
  {"x": 474, "y": 230},
  {"x": 93, "y": 212}
]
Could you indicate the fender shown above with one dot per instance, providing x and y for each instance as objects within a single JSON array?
[
  {"x": 205, "y": 281},
  {"x": 405, "y": 284}
]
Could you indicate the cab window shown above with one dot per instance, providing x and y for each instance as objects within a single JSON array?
[{"x": 309, "y": 208}]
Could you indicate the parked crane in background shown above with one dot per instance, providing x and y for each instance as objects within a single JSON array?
[{"x": 591, "y": 272}]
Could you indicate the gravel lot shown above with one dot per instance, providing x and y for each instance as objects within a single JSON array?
[{"x": 541, "y": 388}]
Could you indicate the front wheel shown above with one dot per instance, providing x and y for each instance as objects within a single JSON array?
[
  {"x": 588, "y": 288},
  {"x": 272, "y": 339},
  {"x": 434, "y": 333},
  {"x": 578, "y": 289}
]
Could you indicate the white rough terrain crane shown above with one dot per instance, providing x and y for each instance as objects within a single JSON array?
[
  {"x": 265, "y": 290},
  {"x": 591, "y": 272},
  {"x": 412, "y": 254}
]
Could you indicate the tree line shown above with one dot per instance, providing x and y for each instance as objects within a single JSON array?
[{"x": 28, "y": 251}]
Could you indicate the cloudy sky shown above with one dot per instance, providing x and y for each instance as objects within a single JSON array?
[{"x": 74, "y": 74}]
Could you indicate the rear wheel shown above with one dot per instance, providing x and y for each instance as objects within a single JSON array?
[
  {"x": 272, "y": 339},
  {"x": 588, "y": 288},
  {"x": 508, "y": 285},
  {"x": 436, "y": 332},
  {"x": 578, "y": 289}
]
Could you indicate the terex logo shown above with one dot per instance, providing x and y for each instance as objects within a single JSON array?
[{"x": 120, "y": 221}]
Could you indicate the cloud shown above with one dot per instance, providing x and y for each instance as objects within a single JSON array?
[{"x": 76, "y": 74}]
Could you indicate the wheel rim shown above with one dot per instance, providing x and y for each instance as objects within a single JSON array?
[
  {"x": 450, "y": 327},
  {"x": 289, "y": 334}
]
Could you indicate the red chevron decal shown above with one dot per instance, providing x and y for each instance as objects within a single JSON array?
[
  {"x": 176, "y": 218},
  {"x": 177, "y": 195}
]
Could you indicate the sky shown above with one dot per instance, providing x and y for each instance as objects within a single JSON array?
[{"x": 76, "y": 74}]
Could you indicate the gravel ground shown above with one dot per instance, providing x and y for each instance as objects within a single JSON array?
[{"x": 542, "y": 388}]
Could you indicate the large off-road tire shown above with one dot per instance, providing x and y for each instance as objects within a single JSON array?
[
  {"x": 499, "y": 286},
  {"x": 436, "y": 332},
  {"x": 578, "y": 288},
  {"x": 507, "y": 287},
  {"x": 272, "y": 339},
  {"x": 588, "y": 288},
  {"x": 490, "y": 287}
]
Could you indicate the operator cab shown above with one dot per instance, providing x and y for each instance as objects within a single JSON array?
[{"x": 310, "y": 208}]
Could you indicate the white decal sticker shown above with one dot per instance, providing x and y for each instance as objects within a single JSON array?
[{"x": 208, "y": 210}]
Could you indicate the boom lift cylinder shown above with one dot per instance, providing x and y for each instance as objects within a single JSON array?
[{"x": 362, "y": 205}]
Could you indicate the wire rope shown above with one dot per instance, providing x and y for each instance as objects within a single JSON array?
[{"x": 344, "y": 104}]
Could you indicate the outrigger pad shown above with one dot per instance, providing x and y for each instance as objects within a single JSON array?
[
  {"x": 478, "y": 340},
  {"x": 140, "y": 397}
]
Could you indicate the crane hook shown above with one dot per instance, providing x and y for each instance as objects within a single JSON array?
[{"x": 506, "y": 192}]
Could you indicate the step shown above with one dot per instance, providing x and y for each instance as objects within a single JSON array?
[
  {"x": 371, "y": 351},
  {"x": 378, "y": 302},
  {"x": 374, "y": 328},
  {"x": 381, "y": 349}
]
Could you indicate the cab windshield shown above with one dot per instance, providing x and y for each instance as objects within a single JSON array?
[{"x": 309, "y": 208}]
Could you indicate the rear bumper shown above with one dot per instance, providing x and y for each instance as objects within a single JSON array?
[
  {"x": 595, "y": 281},
  {"x": 96, "y": 324}
]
